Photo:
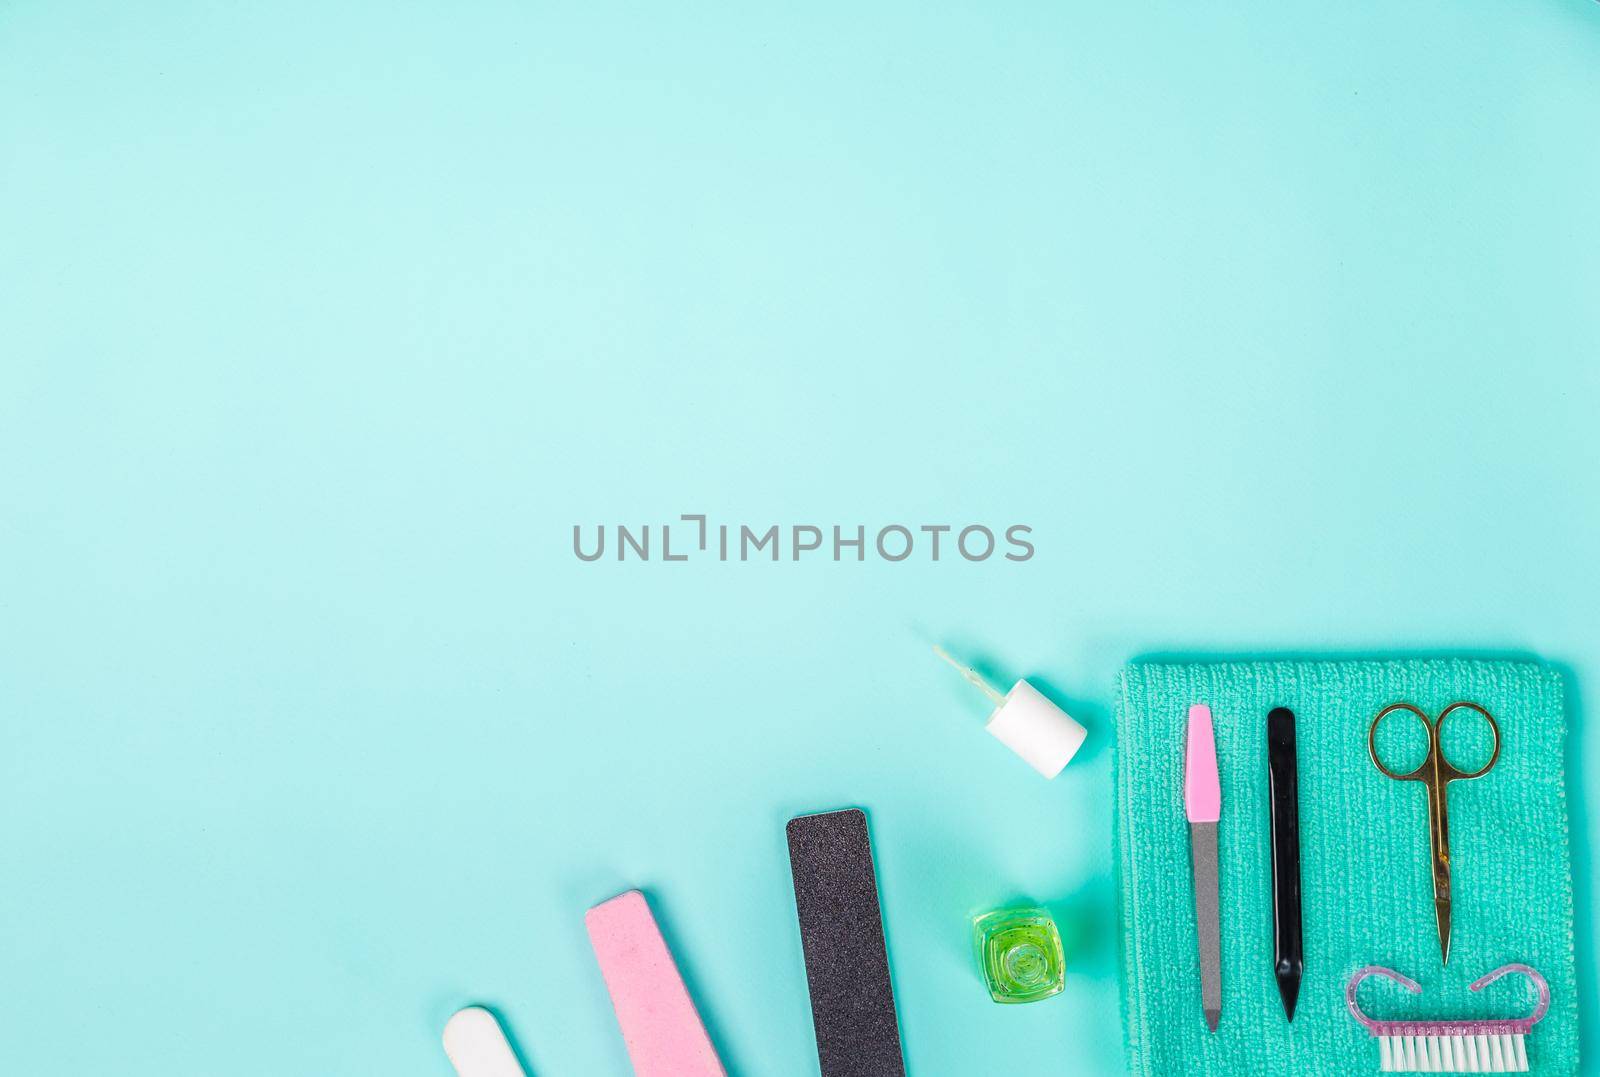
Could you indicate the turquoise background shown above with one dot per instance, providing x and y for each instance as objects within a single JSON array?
[{"x": 322, "y": 325}]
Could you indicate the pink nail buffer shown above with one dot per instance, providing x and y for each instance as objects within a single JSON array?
[{"x": 659, "y": 1022}]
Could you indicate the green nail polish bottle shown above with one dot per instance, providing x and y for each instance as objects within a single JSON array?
[{"x": 1019, "y": 951}]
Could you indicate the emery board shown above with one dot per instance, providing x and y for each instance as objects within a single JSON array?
[
  {"x": 660, "y": 1025},
  {"x": 841, "y": 932}
]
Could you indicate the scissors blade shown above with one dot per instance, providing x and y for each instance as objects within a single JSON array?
[{"x": 1439, "y": 824}]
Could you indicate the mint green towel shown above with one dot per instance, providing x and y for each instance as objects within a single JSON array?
[{"x": 1365, "y": 863}]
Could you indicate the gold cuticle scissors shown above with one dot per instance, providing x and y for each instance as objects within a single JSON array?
[{"x": 1436, "y": 773}]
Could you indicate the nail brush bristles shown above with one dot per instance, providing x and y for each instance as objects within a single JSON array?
[{"x": 1505, "y": 1053}]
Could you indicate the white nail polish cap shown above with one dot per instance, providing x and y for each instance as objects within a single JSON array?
[{"x": 1043, "y": 734}]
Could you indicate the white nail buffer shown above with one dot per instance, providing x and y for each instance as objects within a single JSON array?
[{"x": 477, "y": 1047}]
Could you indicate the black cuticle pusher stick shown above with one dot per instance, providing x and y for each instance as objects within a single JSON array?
[{"x": 1288, "y": 944}]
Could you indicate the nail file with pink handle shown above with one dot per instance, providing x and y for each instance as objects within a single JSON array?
[
  {"x": 477, "y": 1047},
  {"x": 660, "y": 1025},
  {"x": 1450, "y": 1046},
  {"x": 1202, "y": 805}
]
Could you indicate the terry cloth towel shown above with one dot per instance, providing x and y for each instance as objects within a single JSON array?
[{"x": 1367, "y": 890}]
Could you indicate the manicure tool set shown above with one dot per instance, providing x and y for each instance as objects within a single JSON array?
[
  {"x": 1313, "y": 856},
  {"x": 1255, "y": 825}
]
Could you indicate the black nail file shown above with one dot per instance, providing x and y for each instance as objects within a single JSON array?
[
  {"x": 1288, "y": 944},
  {"x": 841, "y": 931}
]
